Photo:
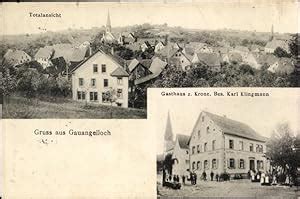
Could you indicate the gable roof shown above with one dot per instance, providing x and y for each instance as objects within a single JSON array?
[
  {"x": 278, "y": 43},
  {"x": 232, "y": 127},
  {"x": 241, "y": 48},
  {"x": 268, "y": 59},
  {"x": 13, "y": 57},
  {"x": 210, "y": 59},
  {"x": 156, "y": 68},
  {"x": 101, "y": 51},
  {"x": 183, "y": 141},
  {"x": 119, "y": 72},
  {"x": 44, "y": 53}
]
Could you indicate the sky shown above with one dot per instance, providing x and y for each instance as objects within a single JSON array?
[
  {"x": 258, "y": 15},
  {"x": 261, "y": 114}
]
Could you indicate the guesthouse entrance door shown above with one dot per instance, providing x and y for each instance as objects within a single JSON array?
[{"x": 252, "y": 166}]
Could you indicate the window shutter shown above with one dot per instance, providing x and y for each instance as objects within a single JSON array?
[{"x": 228, "y": 163}]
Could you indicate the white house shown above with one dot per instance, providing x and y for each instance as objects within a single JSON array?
[{"x": 93, "y": 78}]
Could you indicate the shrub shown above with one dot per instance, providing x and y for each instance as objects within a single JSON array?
[{"x": 224, "y": 177}]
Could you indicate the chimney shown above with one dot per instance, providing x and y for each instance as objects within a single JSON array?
[{"x": 112, "y": 51}]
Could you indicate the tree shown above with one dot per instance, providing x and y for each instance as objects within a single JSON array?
[
  {"x": 110, "y": 96},
  {"x": 280, "y": 150},
  {"x": 294, "y": 45},
  {"x": 168, "y": 163},
  {"x": 280, "y": 52},
  {"x": 7, "y": 84}
]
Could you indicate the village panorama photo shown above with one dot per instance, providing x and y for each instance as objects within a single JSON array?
[
  {"x": 97, "y": 60},
  {"x": 238, "y": 147}
]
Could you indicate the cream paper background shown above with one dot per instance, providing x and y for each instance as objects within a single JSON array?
[{"x": 121, "y": 165}]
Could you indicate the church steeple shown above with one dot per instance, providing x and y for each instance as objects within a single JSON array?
[
  {"x": 272, "y": 33},
  {"x": 168, "y": 131},
  {"x": 108, "y": 25}
]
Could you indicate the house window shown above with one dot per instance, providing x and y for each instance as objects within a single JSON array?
[
  {"x": 80, "y": 95},
  {"x": 193, "y": 165},
  {"x": 251, "y": 147},
  {"x": 93, "y": 96},
  {"x": 119, "y": 93},
  {"x": 198, "y": 149},
  {"x": 103, "y": 68},
  {"x": 80, "y": 81},
  {"x": 242, "y": 164},
  {"x": 193, "y": 150},
  {"x": 231, "y": 163},
  {"x": 93, "y": 82},
  {"x": 214, "y": 164},
  {"x": 120, "y": 81},
  {"x": 207, "y": 129},
  {"x": 205, "y": 146},
  {"x": 198, "y": 134},
  {"x": 95, "y": 68},
  {"x": 205, "y": 164},
  {"x": 105, "y": 82},
  {"x": 198, "y": 165},
  {"x": 202, "y": 118},
  {"x": 187, "y": 152},
  {"x": 213, "y": 145},
  {"x": 241, "y": 144},
  {"x": 231, "y": 145}
]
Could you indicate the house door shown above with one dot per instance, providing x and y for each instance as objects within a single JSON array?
[{"x": 252, "y": 166}]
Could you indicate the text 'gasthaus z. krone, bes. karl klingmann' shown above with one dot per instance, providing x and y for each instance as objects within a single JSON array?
[{"x": 217, "y": 94}]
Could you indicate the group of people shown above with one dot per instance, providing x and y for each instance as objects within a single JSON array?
[
  {"x": 204, "y": 176},
  {"x": 263, "y": 178}
]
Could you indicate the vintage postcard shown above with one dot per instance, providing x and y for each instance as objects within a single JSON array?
[{"x": 149, "y": 99}]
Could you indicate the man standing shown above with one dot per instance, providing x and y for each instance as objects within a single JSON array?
[
  {"x": 211, "y": 175},
  {"x": 183, "y": 179}
]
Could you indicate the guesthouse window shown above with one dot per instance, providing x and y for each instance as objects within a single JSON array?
[
  {"x": 205, "y": 146},
  {"x": 198, "y": 165},
  {"x": 205, "y": 164},
  {"x": 241, "y": 144},
  {"x": 95, "y": 68},
  {"x": 80, "y": 81},
  {"x": 251, "y": 147},
  {"x": 242, "y": 164},
  {"x": 214, "y": 164},
  {"x": 231, "y": 163},
  {"x": 231, "y": 144},
  {"x": 198, "y": 149},
  {"x": 193, "y": 150},
  {"x": 213, "y": 145}
]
